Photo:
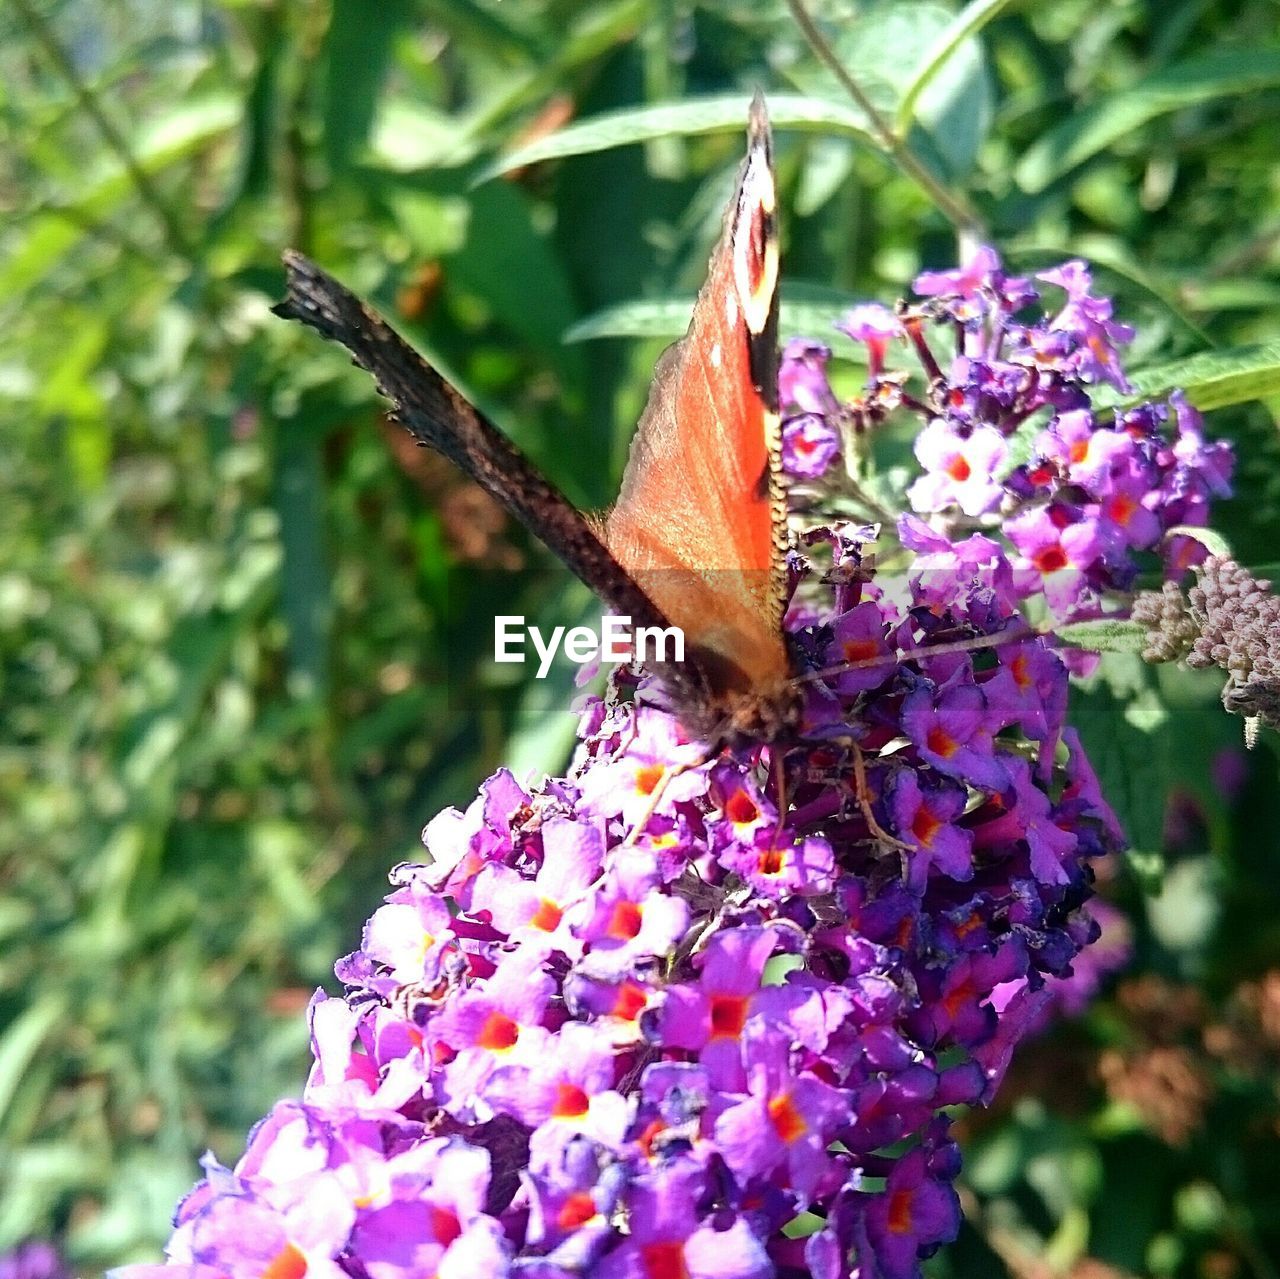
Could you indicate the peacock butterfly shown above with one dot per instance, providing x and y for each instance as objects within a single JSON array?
[{"x": 697, "y": 537}]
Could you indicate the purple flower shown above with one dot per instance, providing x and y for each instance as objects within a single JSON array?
[
  {"x": 667, "y": 1241},
  {"x": 710, "y": 1016},
  {"x": 963, "y": 282},
  {"x": 788, "y": 1117},
  {"x": 1088, "y": 320},
  {"x": 624, "y": 919},
  {"x": 875, "y": 325},
  {"x": 915, "y": 1213},
  {"x": 803, "y": 386},
  {"x": 809, "y": 445},
  {"x": 34, "y": 1259},
  {"x": 952, "y": 729},
  {"x": 923, "y": 815},
  {"x": 959, "y": 470}
]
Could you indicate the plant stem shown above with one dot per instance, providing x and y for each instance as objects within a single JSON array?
[
  {"x": 954, "y": 207},
  {"x": 116, "y": 141}
]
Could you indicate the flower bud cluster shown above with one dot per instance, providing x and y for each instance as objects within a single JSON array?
[
  {"x": 1238, "y": 620},
  {"x": 1171, "y": 628}
]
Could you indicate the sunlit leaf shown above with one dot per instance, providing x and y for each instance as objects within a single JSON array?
[
  {"x": 1211, "y": 379},
  {"x": 1084, "y": 133},
  {"x": 807, "y": 311},
  {"x": 1104, "y": 635},
  {"x": 687, "y": 118},
  {"x": 964, "y": 26}
]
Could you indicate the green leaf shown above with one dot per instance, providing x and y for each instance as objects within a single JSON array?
[
  {"x": 966, "y": 24},
  {"x": 1083, "y": 134},
  {"x": 1211, "y": 379},
  {"x": 1212, "y": 541},
  {"x": 808, "y": 310},
  {"x": 596, "y": 33},
  {"x": 687, "y": 118},
  {"x": 1104, "y": 636},
  {"x": 357, "y": 52},
  {"x": 22, "y": 1040},
  {"x": 1124, "y": 729},
  {"x": 184, "y": 130}
]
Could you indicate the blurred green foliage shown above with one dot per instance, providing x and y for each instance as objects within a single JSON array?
[{"x": 244, "y": 632}]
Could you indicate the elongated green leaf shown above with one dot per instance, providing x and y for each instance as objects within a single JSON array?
[
  {"x": 1211, "y": 379},
  {"x": 688, "y": 118},
  {"x": 596, "y": 33},
  {"x": 966, "y": 24},
  {"x": 809, "y": 311},
  {"x": 1105, "y": 635},
  {"x": 1211, "y": 540},
  {"x": 1087, "y": 132},
  {"x": 22, "y": 1040},
  {"x": 50, "y": 236}
]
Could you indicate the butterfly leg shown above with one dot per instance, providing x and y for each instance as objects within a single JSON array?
[
  {"x": 864, "y": 802},
  {"x": 778, "y": 777},
  {"x": 655, "y": 797}
]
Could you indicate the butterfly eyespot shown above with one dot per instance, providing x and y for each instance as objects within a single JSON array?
[{"x": 755, "y": 247}]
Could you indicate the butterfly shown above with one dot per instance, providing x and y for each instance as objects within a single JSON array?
[{"x": 697, "y": 537}]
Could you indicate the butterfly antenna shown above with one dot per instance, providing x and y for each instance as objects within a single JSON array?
[{"x": 923, "y": 653}]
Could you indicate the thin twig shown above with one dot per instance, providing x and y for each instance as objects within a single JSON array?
[
  {"x": 116, "y": 141},
  {"x": 957, "y": 210}
]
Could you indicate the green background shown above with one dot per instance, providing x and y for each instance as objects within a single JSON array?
[{"x": 245, "y": 633}]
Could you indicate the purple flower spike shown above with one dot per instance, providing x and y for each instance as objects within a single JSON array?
[{"x": 632, "y": 1022}]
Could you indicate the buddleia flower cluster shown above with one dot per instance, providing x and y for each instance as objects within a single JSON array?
[
  {"x": 1010, "y": 434},
  {"x": 684, "y": 1014}
]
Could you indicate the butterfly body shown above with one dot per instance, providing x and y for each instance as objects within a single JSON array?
[{"x": 697, "y": 537}]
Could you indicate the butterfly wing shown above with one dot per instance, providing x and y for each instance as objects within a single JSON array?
[
  {"x": 700, "y": 524},
  {"x": 437, "y": 415}
]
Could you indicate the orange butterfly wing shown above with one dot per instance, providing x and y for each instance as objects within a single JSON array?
[{"x": 700, "y": 524}]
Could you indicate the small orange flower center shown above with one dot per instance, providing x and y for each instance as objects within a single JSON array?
[
  {"x": 940, "y": 742},
  {"x": 728, "y": 1016},
  {"x": 1078, "y": 451},
  {"x": 649, "y": 1135},
  {"x": 959, "y": 469},
  {"x": 647, "y": 777},
  {"x": 571, "y": 1102},
  {"x": 956, "y": 999},
  {"x": 664, "y": 1261},
  {"x": 860, "y": 650},
  {"x": 1121, "y": 508},
  {"x": 1051, "y": 559},
  {"x": 288, "y": 1263},
  {"x": 576, "y": 1211},
  {"x": 786, "y": 1119},
  {"x": 630, "y": 1001},
  {"x": 924, "y": 826},
  {"x": 900, "y": 1212},
  {"x": 740, "y": 809},
  {"x": 498, "y": 1033},
  {"x": 547, "y": 916},
  {"x": 624, "y": 923},
  {"x": 770, "y": 861},
  {"x": 445, "y": 1227}
]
